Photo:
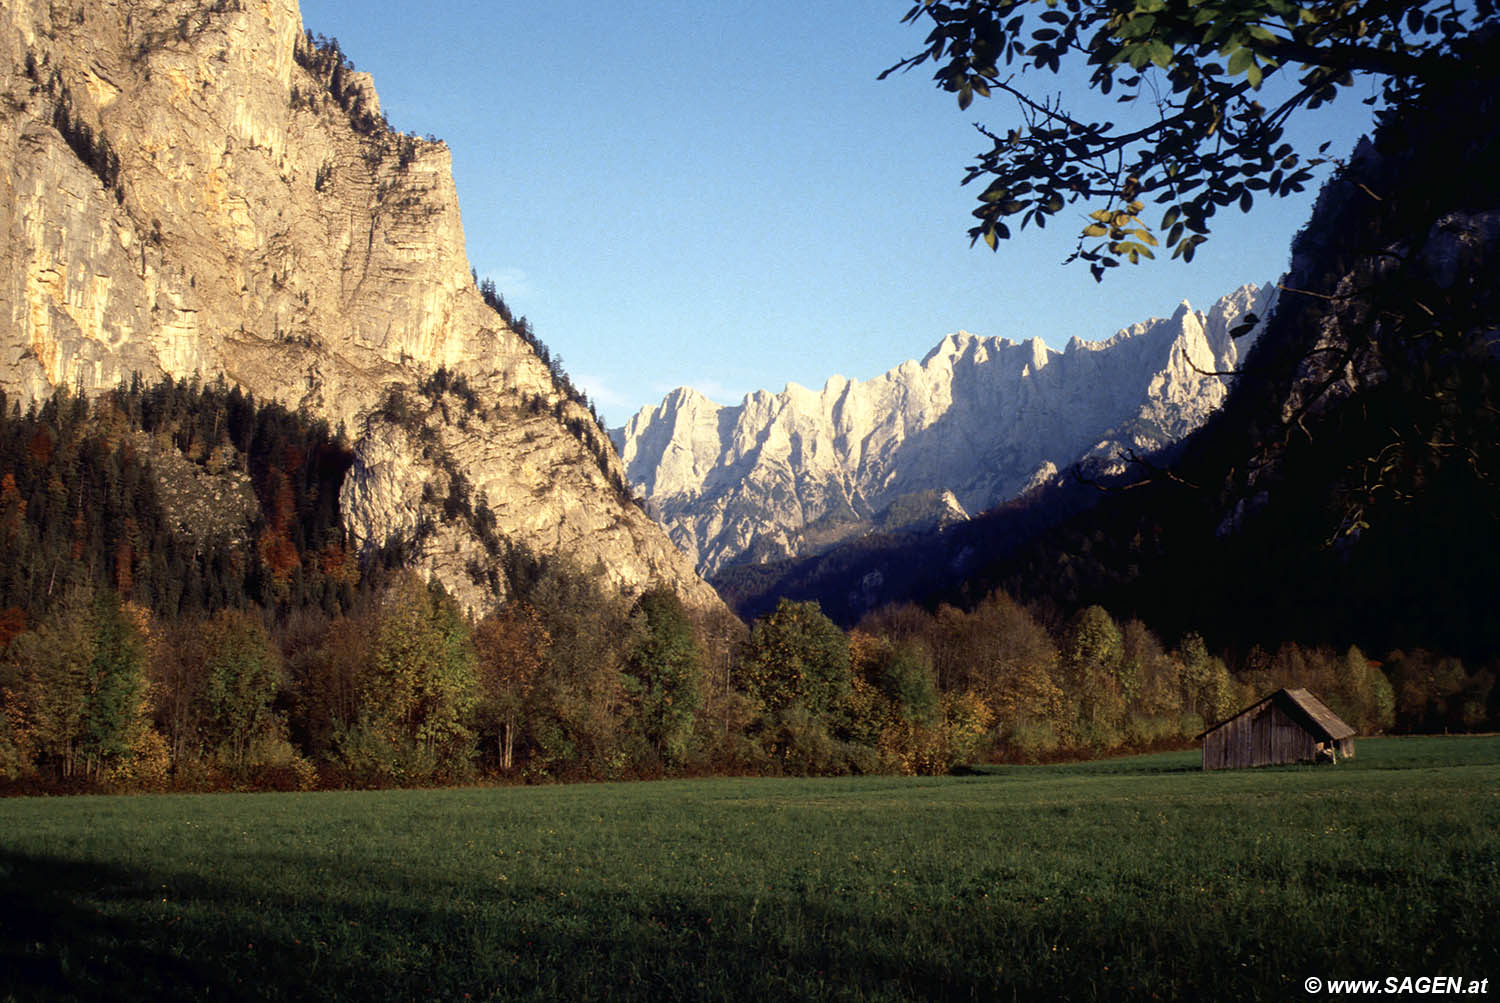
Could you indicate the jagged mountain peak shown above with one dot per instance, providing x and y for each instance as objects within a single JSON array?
[
  {"x": 953, "y": 346},
  {"x": 688, "y": 397},
  {"x": 979, "y": 419}
]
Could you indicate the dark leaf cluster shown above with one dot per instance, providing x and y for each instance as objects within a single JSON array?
[{"x": 1190, "y": 77}]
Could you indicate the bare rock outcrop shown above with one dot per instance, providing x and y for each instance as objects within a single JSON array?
[{"x": 197, "y": 187}]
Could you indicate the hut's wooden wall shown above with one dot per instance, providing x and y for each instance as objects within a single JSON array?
[{"x": 1262, "y": 737}]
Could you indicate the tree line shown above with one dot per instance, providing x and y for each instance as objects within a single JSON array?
[
  {"x": 563, "y": 681},
  {"x": 566, "y": 680},
  {"x": 136, "y": 656}
]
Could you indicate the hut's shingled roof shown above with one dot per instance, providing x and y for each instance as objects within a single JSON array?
[
  {"x": 1306, "y": 708},
  {"x": 1332, "y": 726}
]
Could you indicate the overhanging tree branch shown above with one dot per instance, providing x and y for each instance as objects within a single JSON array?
[{"x": 1200, "y": 64}]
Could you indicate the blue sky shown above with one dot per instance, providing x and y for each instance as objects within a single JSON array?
[{"x": 723, "y": 195}]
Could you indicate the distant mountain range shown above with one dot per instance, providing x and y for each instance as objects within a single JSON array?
[
  {"x": 978, "y": 421},
  {"x": 1347, "y": 489}
]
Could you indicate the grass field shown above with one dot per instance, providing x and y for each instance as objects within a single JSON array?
[{"x": 1123, "y": 879}]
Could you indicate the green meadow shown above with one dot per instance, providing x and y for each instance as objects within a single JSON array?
[{"x": 1121, "y": 879}]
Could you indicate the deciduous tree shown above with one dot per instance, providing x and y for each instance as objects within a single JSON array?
[
  {"x": 81, "y": 679},
  {"x": 582, "y": 700},
  {"x": 1207, "y": 687},
  {"x": 511, "y": 652},
  {"x": 241, "y": 673},
  {"x": 421, "y": 685},
  {"x": 1093, "y": 657},
  {"x": 664, "y": 665},
  {"x": 797, "y": 655},
  {"x": 1206, "y": 89}
]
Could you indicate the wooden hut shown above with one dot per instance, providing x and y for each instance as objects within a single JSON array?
[{"x": 1289, "y": 726}]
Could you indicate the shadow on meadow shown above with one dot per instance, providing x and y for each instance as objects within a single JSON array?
[
  {"x": 82, "y": 931},
  {"x": 55, "y": 941}
]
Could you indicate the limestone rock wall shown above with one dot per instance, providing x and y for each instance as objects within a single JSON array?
[{"x": 195, "y": 189}]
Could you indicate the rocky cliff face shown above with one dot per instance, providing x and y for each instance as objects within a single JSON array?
[
  {"x": 196, "y": 188},
  {"x": 981, "y": 419}
]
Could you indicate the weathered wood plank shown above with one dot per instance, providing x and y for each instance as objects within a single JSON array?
[{"x": 1289, "y": 726}]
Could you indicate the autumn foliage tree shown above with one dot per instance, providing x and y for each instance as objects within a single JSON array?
[
  {"x": 581, "y": 707},
  {"x": 898, "y": 709},
  {"x": 421, "y": 686},
  {"x": 798, "y": 656},
  {"x": 1019, "y": 667},
  {"x": 1208, "y": 691},
  {"x": 241, "y": 674},
  {"x": 78, "y": 682},
  {"x": 511, "y": 652},
  {"x": 1093, "y": 653}
]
